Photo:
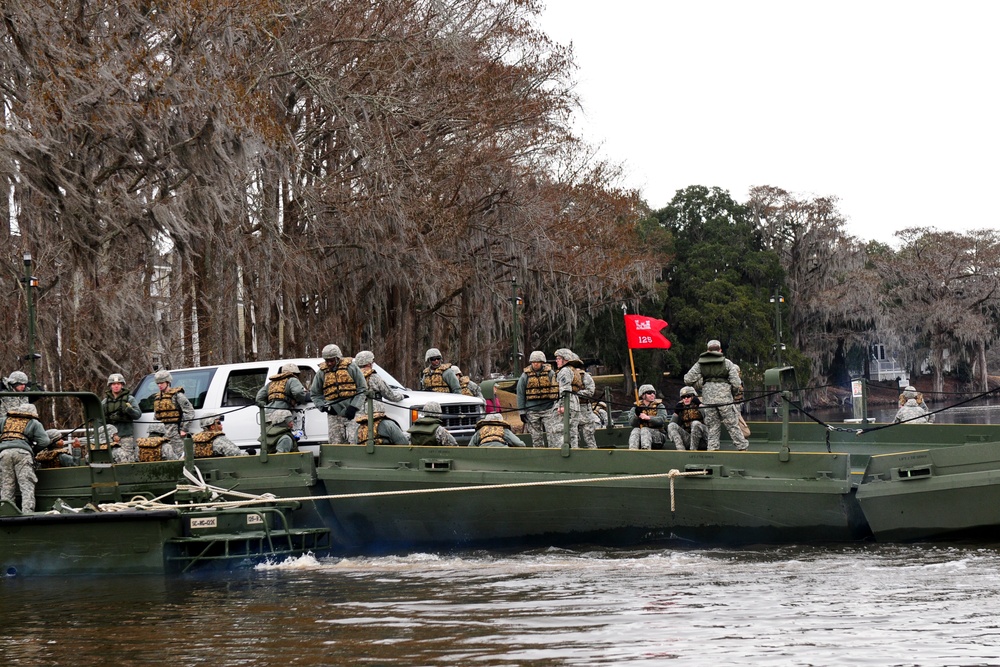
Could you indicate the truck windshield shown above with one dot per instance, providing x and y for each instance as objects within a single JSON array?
[{"x": 194, "y": 381}]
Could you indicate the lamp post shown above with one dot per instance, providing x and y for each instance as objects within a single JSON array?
[
  {"x": 777, "y": 300},
  {"x": 515, "y": 338},
  {"x": 30, "y": 282}
]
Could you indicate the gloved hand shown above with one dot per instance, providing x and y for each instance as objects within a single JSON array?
[{"x": 350, "y": 412}]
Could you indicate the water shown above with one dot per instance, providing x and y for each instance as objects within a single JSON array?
[{"x": 854, "y": 604}]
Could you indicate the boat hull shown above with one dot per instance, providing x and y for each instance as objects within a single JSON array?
[{"x": 527, "y": 496}]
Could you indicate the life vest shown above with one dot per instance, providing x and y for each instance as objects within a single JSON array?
[
  {"x": 337, "y": 382},
  {"x": 577, "y": 379},
  {"x": 423, "y": 431},
  {"x": 203, "y": 443},
  {"x": 276, "y": 389},
  {"x": 14, "y": 426},
  {"x": 713, "y": 367},
  {"x": 367, "y": 372},
  {"x": 688, "y": 413},
  {"x": 48, "y": 458},
  {"x": 463, "y": 382},
  {"x": 363, "y": 429},
  {"x": 650, "y": 410},
  {"x": 490, "y": 432},
  {"x": 165, "y": 406},
  {"x": 273, "y": 434},
  {"x": 541, "y": 385},
  {"x": 151, "y": 449},
  {"x": 115, "y": 408},
  {"x": 433, "y": 380}
]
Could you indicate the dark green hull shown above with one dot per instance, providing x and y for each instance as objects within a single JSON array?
[
  {"x": 523, "y": 498},
  {"x": 939, "y": 494}
]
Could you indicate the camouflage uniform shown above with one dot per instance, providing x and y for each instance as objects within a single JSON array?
[
  {"x": 387, "y": 431},
  {"x": 428, "y": 429},
  {"x": 172, "y": 430},
  {"x": 381, "y": 388},
  {"x": 58, "y": 454},
  {"x": 20, "y": 432},
  {"x": 647, "y": 433},
  {"x": 289, "y": 392},
  {"x": 911, "y": 413},
  {"x": 16, "y": 379},
  {"x": 537, "y": 391},
  {"x": 565, "y": 378},
  {"x": 438, "y": 376},
  {"x": 719, "y": 380},
  {"x": 584, "y": 417},
  {"x": 687, "y": 425},
  {"x": 122, "y": 410},
  {"x": 493, "y": 431},
  {"x": 278, "y": 438},
  {"x": 221, "y": 445},
  {"x": 346, "y": 379},
  {"x": 600, "y": 415},
  {"x": 910, "y": 392},
  {"x": 468, "y": 387}
]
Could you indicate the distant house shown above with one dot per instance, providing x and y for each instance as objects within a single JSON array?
[{"x": 883, "y": 367}]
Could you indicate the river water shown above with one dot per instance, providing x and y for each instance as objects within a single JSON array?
[{"x": 862, "y": 604}]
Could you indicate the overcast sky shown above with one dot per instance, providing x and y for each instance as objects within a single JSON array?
[{"x": 892, "y": 107}]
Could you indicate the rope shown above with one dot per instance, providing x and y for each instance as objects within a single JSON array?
[{"x": 250, "y": 499}]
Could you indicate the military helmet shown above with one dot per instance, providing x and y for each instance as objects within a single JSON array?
[
  {"x": 116, "y": 377},
  {"x": 714, "y": 345},
  {"x": 106, "y": 437},
  {"x": 332, "y": 351},
  {"x": 565, "y": 353},
  {"x": 537, "y": 355},
  {"x": 290, "y": 368},
  {"x": 26, "y": 409},
  {"x": 646, "y": 387},
  {"x": 18, "y": 377},
  {"x": 431, "y": 353},
  {"x": 280, "y": 417},
  {"x": 157, "y": 429},
  {"x": 163, "y": 376},
  {"x": 493, "y": 417},
  {"x": 55, "y": 435},
  {"x": 210, "y": 419},
  {"x": 364, "y": 358},
  {"x": 910, "y": 391},
  {"x": 688, "y": 391},
  {"x": 458, "y": 371},
  {"x": 431, "y": 409}
]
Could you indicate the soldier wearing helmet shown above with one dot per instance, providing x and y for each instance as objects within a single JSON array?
[
  {"x": 429, "y": 430},
  {"x": 21, "y": 434},
  {"x": 365, "y": 360},
  {"x": 384, "y": 430},
  {"x": 468, "y": 387},
  {"x": 494, "y": 431},
  {"x": 283, "y": 390},
  {"x": 17, "y": 381},
  {"x": 537, "y": 391},
  {"x": 121, "y": 409},
  {"x": 647, "y": 418},
  {"x": 687, "y": 425},
  {"x": 719, "y": 381},
  {"x": 172, "y": 409},
  {"x": 338, "y": 390},
  {"x": 569, "y": 386},
  {"x": 437, "y": 375},
  {"x": 212, "y": 440},
  {"x": 584, "y": 387}
]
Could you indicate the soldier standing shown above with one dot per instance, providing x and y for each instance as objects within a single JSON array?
[
  {"x": 438, "y": 376},
  {"x": 565, "y": 378},
  {"x": 537, "y": 391},
  {"x": 283, "y": 390},
  {"x": 719, "y": 380},
  {"x": 172, "y": 409},
  {"x": 585, "y": 388},
  {"x": 121, "y": 410},
  {"x": 17, "y": 381},
  {"x": 365, "y": 360},
  {"x": 338, "y": 390},
  {"x": 20, "y": 434}
]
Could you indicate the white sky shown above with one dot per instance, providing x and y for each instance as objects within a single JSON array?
[{"x": 892, "y": 107}]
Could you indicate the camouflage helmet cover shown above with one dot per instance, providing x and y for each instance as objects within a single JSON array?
[
  {"x": 280, "y": 417},
  {"x": 210, "y": 419},
  {"x": 537, "y": 355},
  {"x": 458, "y": 371},
  {"x": 109, "y": 435},
  {"x": 688, "y": 391},
  {"x": 646, "y": 387},
  {"x": 18, "y": 377},
  {"x": 26, "y": 409},
  {"x": 431, "y": 353},
  {"x": 116, "y": 377},
  {"x": 493, "y": 417},
  {"x": 565, "y": 353},
  {"x": 157, "y": 429},
  {"x": 714, "y": 345},
  {"x": 364, "y": 358},
  {"x": 290, "y": 368},
  {"x": 332, "y": 351},
  {"x": 431, "y": 409},
  {"x": 163, "y": 376},
  {"x": 55, "y": 435}
]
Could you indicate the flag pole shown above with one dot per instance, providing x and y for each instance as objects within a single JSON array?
[{"x": 631, "y": 360}]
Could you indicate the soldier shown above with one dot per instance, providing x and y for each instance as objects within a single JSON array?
[
  {"x": 57, "y": 454},
  {"x": 428, "y": 430},
  {"x": 911, "y": 393},
  {"x": 365, "y": 360},
  {"x": 585, "y": 388},
  {"x": 647, "y": 418},
  {"x": 20, "y": 434},
  {"x": 17, "y": 381},
  {"x": 565, "y": 377},
  {"x": 172, "y": 409},
  {"x": 687, "y": 425},
  {"x": 121, "y": 409},
  {"x": 719, "y": 380},
  {"x": 438, "y": 376},
  {"x": 338, "y": 390},
  {"x": 912, "y": 413},
  {"x": 156, "y": 446},
  {"x": 537, "y": 391},
  {"x": 601, "y": 418},
  {"x": 212, "y": 441},
  {"x": 279, "y": 437},
  {"x": 469, "y": 388},
  {"x": 387, "y": 431},
  {"x": 283, "y": 391},
  {"x": 493, "y": 431}
]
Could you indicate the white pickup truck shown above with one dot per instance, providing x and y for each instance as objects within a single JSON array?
[{"x": 230, "y": 390}]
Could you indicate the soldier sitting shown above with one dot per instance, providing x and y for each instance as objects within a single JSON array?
[
  {"x": 493, "y": 431},
  {"x": 647, "y": 418}
]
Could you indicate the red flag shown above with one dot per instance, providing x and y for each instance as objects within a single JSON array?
[{"x": 644, "y": 333}]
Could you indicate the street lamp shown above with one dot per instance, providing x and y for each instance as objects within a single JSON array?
[
  {"x": 777, "y": 300},
  {"x": 30, "y": 282}
]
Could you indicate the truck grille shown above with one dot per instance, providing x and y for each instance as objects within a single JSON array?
[{"x": 462, "y": 418}]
